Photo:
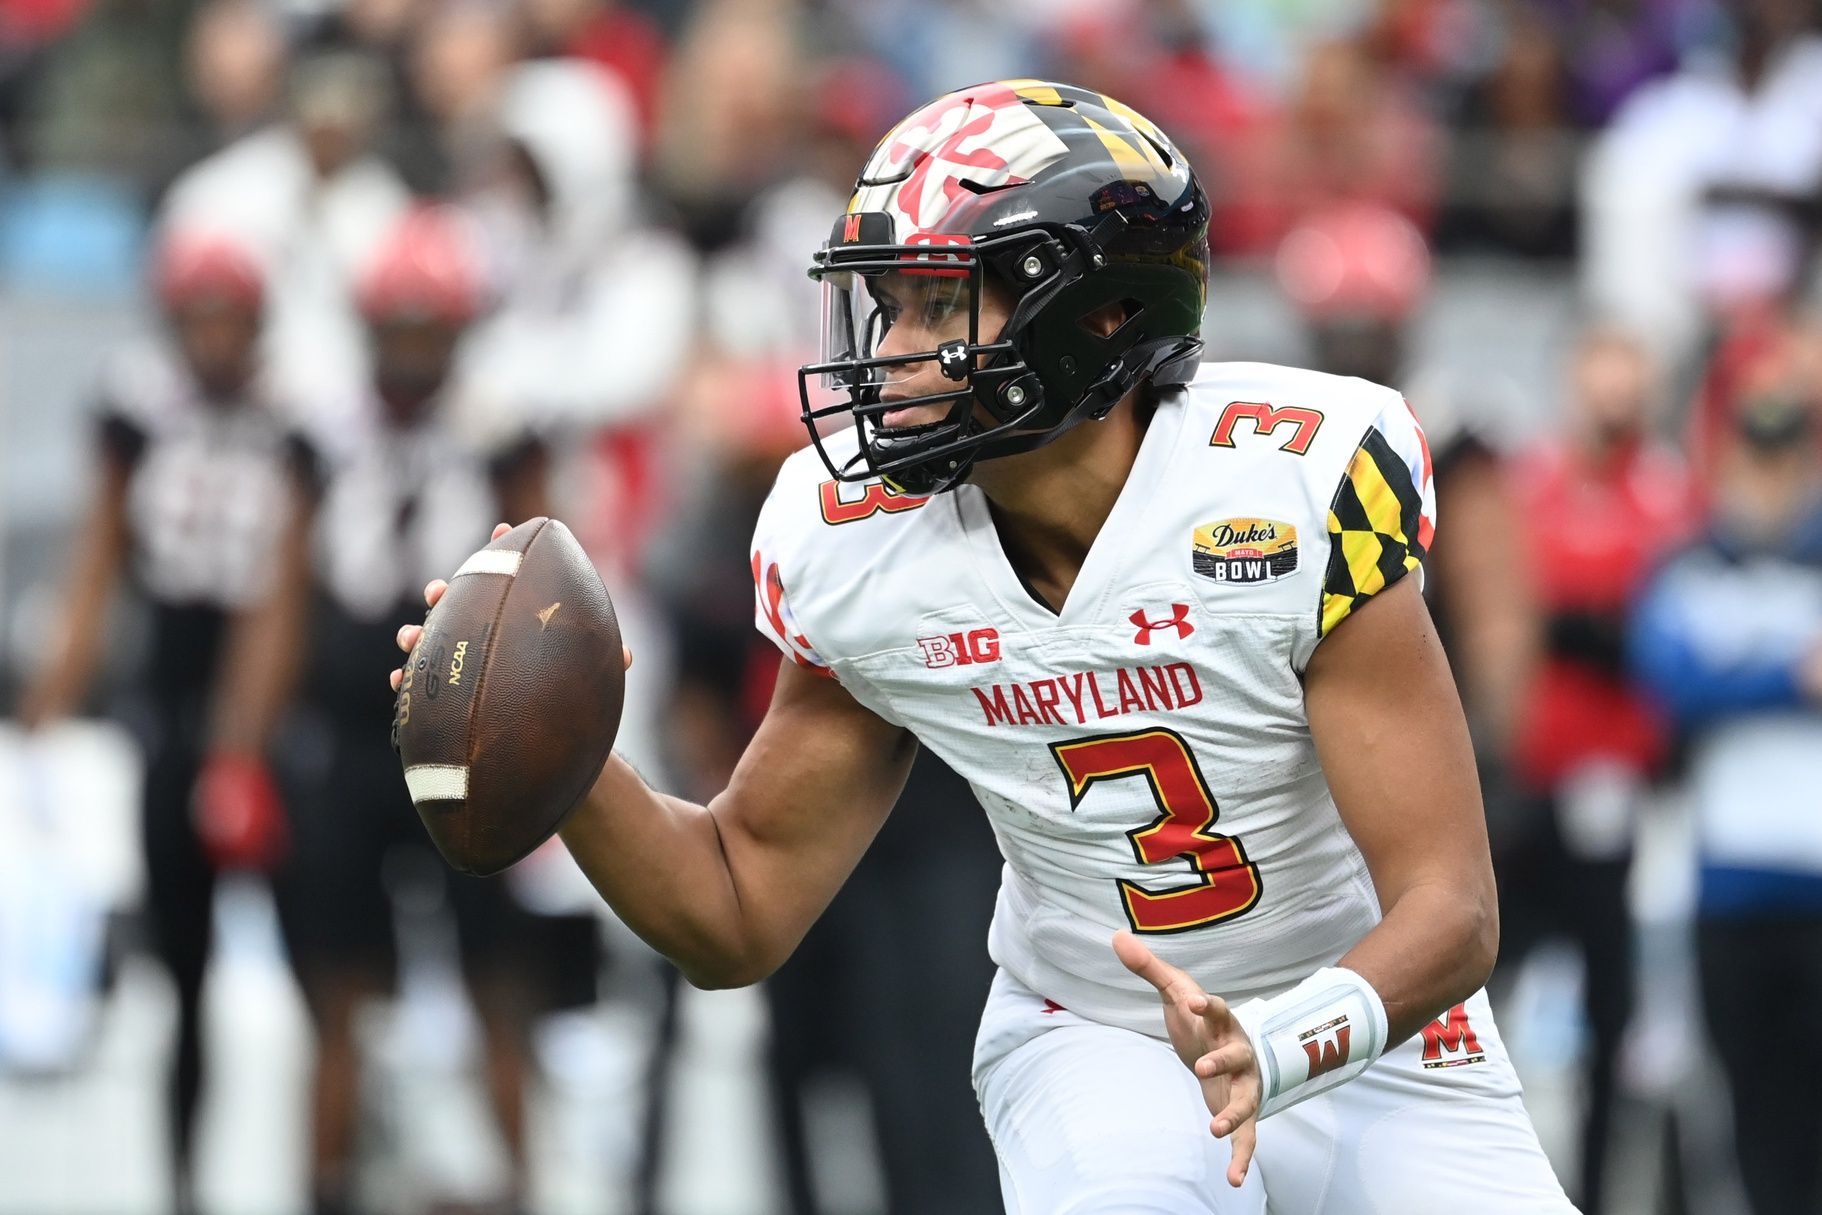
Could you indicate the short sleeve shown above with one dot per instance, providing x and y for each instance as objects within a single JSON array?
[
  {"x": 771, "y": 601},
  {"x": 1382, "y": 518}
]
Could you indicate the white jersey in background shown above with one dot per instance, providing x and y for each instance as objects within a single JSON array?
[
  {"x": 207, "y": 500},
  {"x": 1144, "y": 755}
]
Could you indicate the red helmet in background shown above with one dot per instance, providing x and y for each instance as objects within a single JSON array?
[
  {"x": 427, "y": 269},
  {"x": 192, "y": 266},
  {"x": 1355, "y": 259}
]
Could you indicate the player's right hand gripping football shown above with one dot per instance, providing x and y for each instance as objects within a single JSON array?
[
  {"x": 408, "y": 636},
  {"x": 1211, "y": 1044}
]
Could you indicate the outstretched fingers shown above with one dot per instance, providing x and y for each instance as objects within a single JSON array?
[
  {"x": 1240, "y": 1153},
  {"x": 1241, "y": 1108},
  {"x": 1227, "y": 1071},
  {"x": 1175, "y": 986},
  {"x": 1229, "y": 1059}
]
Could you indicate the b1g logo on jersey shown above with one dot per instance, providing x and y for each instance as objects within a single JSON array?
[
  {"x": 1244, "y": 550},
  {"x": 961, "y": 649}
]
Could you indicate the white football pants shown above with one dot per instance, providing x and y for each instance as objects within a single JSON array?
[{"x": 1087, "y": 1119}]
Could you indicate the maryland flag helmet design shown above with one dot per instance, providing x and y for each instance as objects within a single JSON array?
[{"x": 1063, "y": 202}]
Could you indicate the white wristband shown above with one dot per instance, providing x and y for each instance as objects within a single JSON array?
[{"x": 1321, "y": 1033}]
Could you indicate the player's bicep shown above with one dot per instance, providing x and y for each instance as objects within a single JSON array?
[
  {"x": 806, "y": 799},
  {"x": 1390, "y": 733}
]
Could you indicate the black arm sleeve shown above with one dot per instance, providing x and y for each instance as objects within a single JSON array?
[
  {"x": 513, "y": 457},
  {"x": 306, "y": 464},
  {"x": 118, "y": 437},
  {"x": 1592, "y": 639}
]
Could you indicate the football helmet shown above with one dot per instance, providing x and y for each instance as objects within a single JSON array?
[
  {"x": 193, "y": 266},
  {"x": 1065, "y": 204},
  {"x": 426, "y": 269}
]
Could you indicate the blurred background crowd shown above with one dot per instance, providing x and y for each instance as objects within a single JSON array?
[{"x": 298, "y": 296}]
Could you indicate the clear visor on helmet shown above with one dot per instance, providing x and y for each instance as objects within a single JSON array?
[{"x": 881, "y": 314}]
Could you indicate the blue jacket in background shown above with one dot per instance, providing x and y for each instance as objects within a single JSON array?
[{"x": 1719, "y": 637}]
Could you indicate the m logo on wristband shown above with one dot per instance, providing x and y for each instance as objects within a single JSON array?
[
  {"x": 1322, "y": 1032},
  {"x": 1326, "y": 1045}
]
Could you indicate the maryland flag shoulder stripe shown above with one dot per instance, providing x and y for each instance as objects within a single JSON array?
[{"x": 1381, "y": 520}]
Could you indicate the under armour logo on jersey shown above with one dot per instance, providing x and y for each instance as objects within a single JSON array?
[{"x": 1179, "y": 620}]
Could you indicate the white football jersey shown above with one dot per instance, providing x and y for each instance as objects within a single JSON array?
[
  {"x": 206, "y": 503},
  {"x": 1144, "y": 754}
]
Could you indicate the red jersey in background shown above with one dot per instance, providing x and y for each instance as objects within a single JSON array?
[{"x": 1590, "y": 533}]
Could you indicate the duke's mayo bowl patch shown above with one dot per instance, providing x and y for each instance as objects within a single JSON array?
[{"x": 1245, "y": 550}]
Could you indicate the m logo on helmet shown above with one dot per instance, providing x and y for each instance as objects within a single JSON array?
[
  {"x": 979, "y": 139},
  {"x": 850, "y": 229}
]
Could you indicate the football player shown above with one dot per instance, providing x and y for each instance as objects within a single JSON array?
[
  {"x": 402, "y": 479},
  {"x": 1162, "y": 616},
  {"x": 189, "y": 509}
]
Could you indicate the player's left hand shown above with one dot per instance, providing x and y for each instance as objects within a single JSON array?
[{"x": 1211, "y": 1044}]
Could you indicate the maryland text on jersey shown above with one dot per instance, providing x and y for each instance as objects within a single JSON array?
[{"x": 1143, "y": 751}]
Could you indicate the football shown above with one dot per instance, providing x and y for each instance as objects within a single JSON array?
[{"x": 510, "y": 701}]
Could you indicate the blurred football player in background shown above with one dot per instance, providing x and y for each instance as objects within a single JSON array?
[
  {"x": 1598, "y": 508},
  {"x": 403, "y": 480},
  {"x": 1728, "y": 636},
  {"x": 311, "y": 197},
  {"x": 190, "y": 510},
  {"x": 1357, "y": 273}
]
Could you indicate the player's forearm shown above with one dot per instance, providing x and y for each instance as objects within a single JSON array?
[
  {"x": 1434, "y": 948},
  {"x": 660, "y": 863},
  {"x": 76, "y": 652},
  {"x": 263, "y": 662}
]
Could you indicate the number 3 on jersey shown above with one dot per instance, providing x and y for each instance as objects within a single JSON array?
[{"x": 1228, "y": 883}]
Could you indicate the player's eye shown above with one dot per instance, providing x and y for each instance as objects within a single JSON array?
[{"x": 938, "y": 309}]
